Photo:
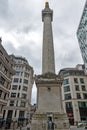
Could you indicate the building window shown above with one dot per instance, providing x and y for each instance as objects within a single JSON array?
[
  {"x": 66, "y": 81},
  {"x": 13, "y": 94},
  {"x": 25, "y": 81},
  {"x": 14, "y": 87},
  {"x": 75, "y": 80},
  {"x": 19, "y": 67},
  {"x": 83, "y": 87},
  {"x": 23, "y": 96},
  {"x": 0, "y": 63},
  {"x": 5, "y": 96},
  {"x": 11, "y": 103},
  {"x": 2, "y": 80},
  {"x": 27, "y": 69},
  {"x": 4, "y": 111},
  {"x": 68, "y": 105},
  {"x": 25, "y": 88},
  {"x": 17, "y": 103},
  {"x": 82, "y": 104},
  {"x": 21, "y": 114},
  {"x": 15, "y": 113},
  {"x": 77, "y": 87},
  {"x": 7, "y": 60},
  {"x": 10, "y": 114},
  {"x": 4, "y": 69},
  {"x": 85, "y": 95},
  {"x": 20, "y": 80},
  {"x": 21, "y": 73},
  {"x": 18, "y": 95},
  {"x": 66, "y": 88},
  {"x": 15, "y": 80},
  {"x": 78, "y": 95},
  {"x": 19, "y": 61},
  {"x": 19, "y": 87},
  {"x": 1, "y": 53},
  {"x": 81, "y": 80},
  {"x": 17, "y": 74},
  {"x": 0, "y": 93},
  {"x": 66, "y": 74},
  {"x": 23, "y": 104},
  {"x": 26, "y": 75},
  {"x": 68, "y": 96}
]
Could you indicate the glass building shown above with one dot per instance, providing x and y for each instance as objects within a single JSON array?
[{"x": 82, "y": 35}]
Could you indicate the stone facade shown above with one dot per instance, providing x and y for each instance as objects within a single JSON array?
[
  {"x": 6, "y": 72},
  {"x": 49, "y": 114},
  {"x": 60, "y": 121},
  {"x": 19, "y": 100},
  {"x": 49, "y": 103},
  {"x": 49, "y": 92},
  {"x": 48, "y": 62},
  {"x": 74, "y": 93}
]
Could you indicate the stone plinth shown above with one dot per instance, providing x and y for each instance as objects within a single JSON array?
[
  {"x": 49, "y": 103},
  {"x": 49, "y": 93},
  {"x": 40, "y": 121}
]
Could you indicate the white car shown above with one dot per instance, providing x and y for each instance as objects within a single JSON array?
[{"x": 82, "y": 125}]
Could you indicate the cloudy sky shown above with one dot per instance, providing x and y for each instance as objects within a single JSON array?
[{"x": 21, "y": 29}]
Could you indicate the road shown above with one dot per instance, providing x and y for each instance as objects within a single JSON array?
[
  {"x": 25, "y": 128},
  {"x": 77, "y": 129}
]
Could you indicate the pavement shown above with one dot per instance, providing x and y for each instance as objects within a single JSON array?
[
  {"x": 23, "y": 128},
  {"x": 73, "y": 126},
  {"x": 77, "y": 129}
]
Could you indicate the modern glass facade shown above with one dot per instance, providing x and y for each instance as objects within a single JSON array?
[{"x": 82, "y": 36}]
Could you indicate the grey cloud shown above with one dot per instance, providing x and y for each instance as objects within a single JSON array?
[
  {"x": 17, "y": 15},
  {"x": 68, "y": 57},
  {"x": 33, "y": 57},
  {"x": 3, "y": 8},
  {"x": 21, "y": 17},
  {"x": 9, "y": 47}
]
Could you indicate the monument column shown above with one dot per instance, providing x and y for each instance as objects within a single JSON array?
[
  {"x": 48, "y": 64},
  {"x": 49, "y": 114}
]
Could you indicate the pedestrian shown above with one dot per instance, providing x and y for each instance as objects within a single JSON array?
[{"x": 28, "y": 126}]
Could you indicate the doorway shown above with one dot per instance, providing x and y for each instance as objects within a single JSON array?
[{"x": 50, "y": 123}]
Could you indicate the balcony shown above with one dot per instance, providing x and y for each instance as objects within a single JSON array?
[
  {"x": 7, "y": 64},
  {"x": 3, "y": 102}
]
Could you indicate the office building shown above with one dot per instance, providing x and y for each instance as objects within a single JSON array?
[
  {"x": 82, "y": 36},
  {"x": 19, "y": 100},
  {"x": 74, "y": 93},
  {"x": 6, "y": 72}
]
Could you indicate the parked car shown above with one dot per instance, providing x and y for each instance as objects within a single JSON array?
[{"x": 82, "y": 124}]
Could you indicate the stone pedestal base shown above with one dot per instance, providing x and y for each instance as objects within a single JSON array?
[{"x": 40, "y": 121}]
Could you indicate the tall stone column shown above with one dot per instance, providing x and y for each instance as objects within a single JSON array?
[
  {"x": 49, "y": 114},
  {"x": 48, "y": 64}
]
